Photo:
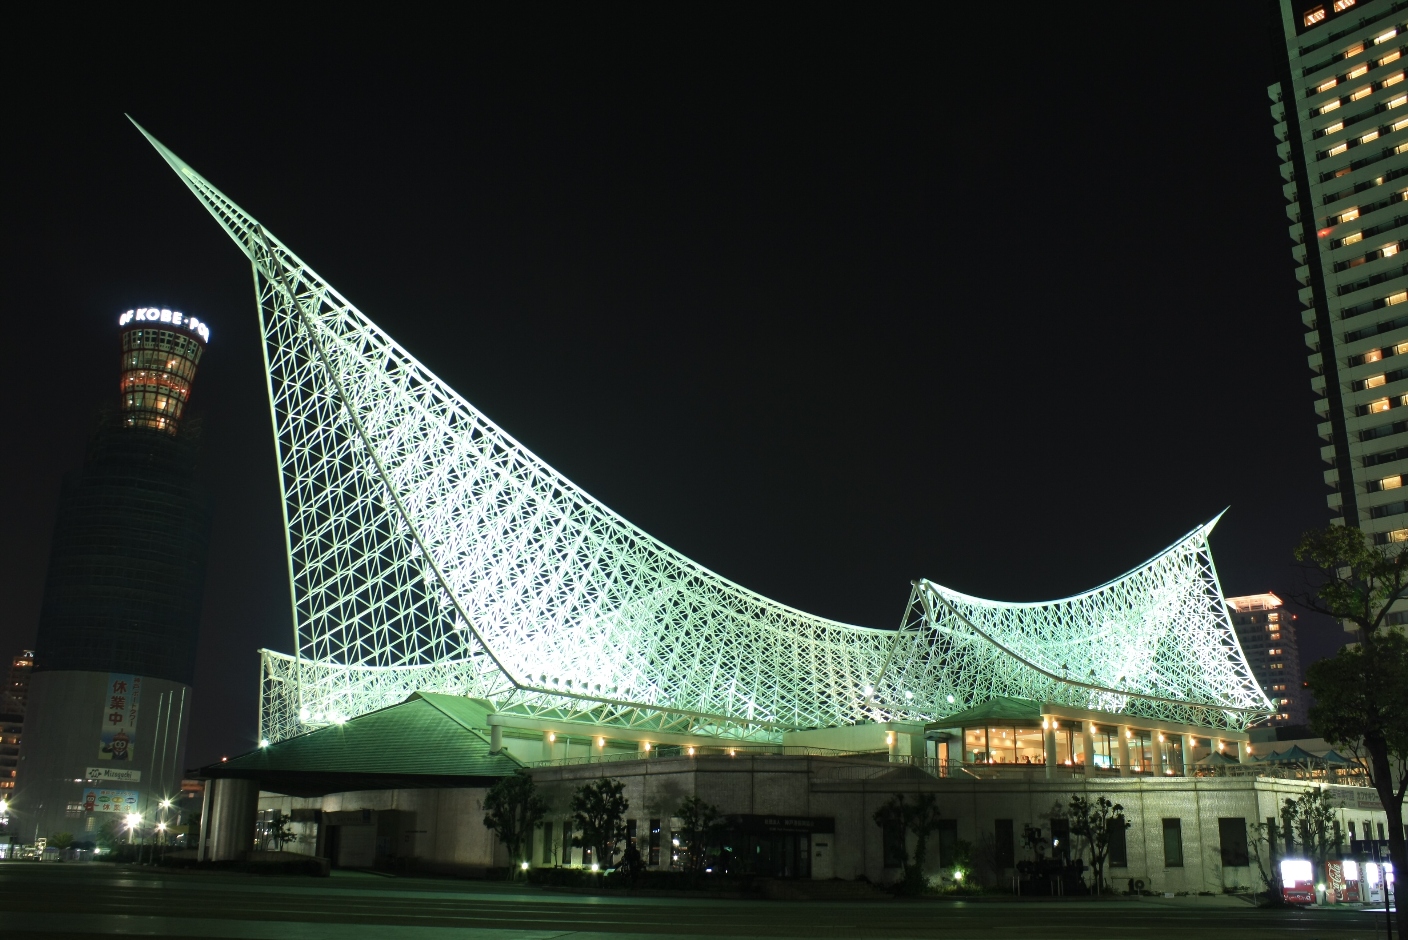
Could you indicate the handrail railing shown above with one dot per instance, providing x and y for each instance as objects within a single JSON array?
[
  {"x": 868, "y": 765},
  {"x": 668, "y": 751}
]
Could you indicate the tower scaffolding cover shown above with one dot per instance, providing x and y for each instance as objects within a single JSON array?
[{"x": 429, "y": 550}]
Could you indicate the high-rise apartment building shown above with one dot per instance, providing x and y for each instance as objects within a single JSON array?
[
  {"x": 16, "y": 692},
  {"x": 1268, "y": 636},
  {"x": 1341, "y": 116},
  {"x": 12, "y": 705}
]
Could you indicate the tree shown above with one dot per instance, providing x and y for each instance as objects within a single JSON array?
[
  {"x": 61, "y": 841},
  {"x": 962, "y": 859},
  {"x": 1093, "y": 821},
  {"x": 920, "y": 818},
  {"x": 598, "y": 814},
  {"x": 1266, "y": 866},
  {"x": 1361, "y": 696},
  {"x": 277, "y": 831},
  {"x": 1359, "y": 581},
  {"x": 512, "y": 808},
  {"x": 110, "y": 834},
  {"x": 697, "y": 829},
  {"x": 1306, "y": 821},
  {"x": 1312, "y": 820}
]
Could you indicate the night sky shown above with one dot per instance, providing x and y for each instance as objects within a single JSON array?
[{"x": 826, "y": 304}]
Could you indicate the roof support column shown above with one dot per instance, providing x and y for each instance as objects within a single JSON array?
[
  {"x": 549, "y": 744},
  {"x": 496, "y": 738},
  {"x": 918, "y": 750},
  {"x": 202, "y": 850},
  {"x": 1187, "y": 755},
  {"x": 1087, "y": 748},
  {"x": 1048, "y": 733},
  {"x": 1124, "y": 735},
  {"x": 233, "y": 810}
]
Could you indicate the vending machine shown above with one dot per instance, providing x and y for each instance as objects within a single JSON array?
[
  {"x": 1344, "y": 875},
  {"x": 1375, "y": 874},
  {"x": 1297, "y": 881}
]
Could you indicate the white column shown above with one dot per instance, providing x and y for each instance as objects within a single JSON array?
[
  {"x": 202, "y": 853},
  {"x": 496, "y": 739},
  {"x": 549, "y": 745},
  {"x": 892, "y": 743},
  {"x": 1087, "y": 748},
  {"x": 234, "y": 808},
  {"x": 1187, "y": 755},
  {"x": 1049, "y": 734},
  {"x": 1124, "y": 734},
  {"x": 1242, "y": 752}
]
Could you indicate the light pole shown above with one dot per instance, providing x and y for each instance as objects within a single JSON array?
[{"x": 161, "y": 824}]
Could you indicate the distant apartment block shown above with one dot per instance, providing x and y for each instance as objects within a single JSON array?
[
  {"x": 1267, "y": 633},
  {"x": 12, "y": 705}
]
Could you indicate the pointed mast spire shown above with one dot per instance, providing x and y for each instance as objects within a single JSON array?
[{"x": 238, "y": 224}]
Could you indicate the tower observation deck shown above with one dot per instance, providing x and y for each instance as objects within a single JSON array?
[
  {"x": 160, "y": 352},
  {"x": 431, "y": 551}
]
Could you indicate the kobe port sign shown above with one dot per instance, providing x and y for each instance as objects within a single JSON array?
[{"x": 163, "y": 315}]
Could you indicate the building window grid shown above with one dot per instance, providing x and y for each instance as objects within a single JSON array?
[{"x": 1333, "y": 81}]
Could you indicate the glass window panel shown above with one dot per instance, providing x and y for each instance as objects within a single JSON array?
[
  {"x": 1002, "y": 745},
  {"x": 1031, "y": 746}
]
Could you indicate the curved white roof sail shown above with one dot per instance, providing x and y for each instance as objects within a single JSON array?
[
  {"x": 431, "y": 551},
  {"x": 1156, "y": 642}
]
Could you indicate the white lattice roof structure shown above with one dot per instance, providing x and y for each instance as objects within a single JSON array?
[{"x": 429, "y": 550}]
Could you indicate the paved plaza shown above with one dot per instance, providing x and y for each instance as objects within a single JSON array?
[{"x": 82, "y": 900}]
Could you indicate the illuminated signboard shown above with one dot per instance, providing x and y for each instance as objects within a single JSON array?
[{"x": 163, "y": 315}]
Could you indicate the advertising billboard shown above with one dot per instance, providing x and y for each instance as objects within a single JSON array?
[
  {"x": 119, "y": 723},
  {"x": 96, "y": 800}
]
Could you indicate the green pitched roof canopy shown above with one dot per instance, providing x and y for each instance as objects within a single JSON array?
[
  {"x": 1293, "y": 754},
  {"x": 429, "y": 740},
  {"x": 999, "y": 709},
  {"x": 1217, "y": 759}
]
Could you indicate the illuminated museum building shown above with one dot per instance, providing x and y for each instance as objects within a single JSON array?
[
  {"x": 462, "y": 611},
  {"x": 1341, "y": 118},
  {"x": 110, "y": 696}
]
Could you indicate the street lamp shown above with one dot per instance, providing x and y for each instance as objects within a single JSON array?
[{"x": 133, "y": 820}]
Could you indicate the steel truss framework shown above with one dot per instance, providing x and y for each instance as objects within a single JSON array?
[{"x": 428, "y": 550}]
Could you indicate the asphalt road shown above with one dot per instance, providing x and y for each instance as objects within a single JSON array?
[{"x": 84, "y": 900}]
